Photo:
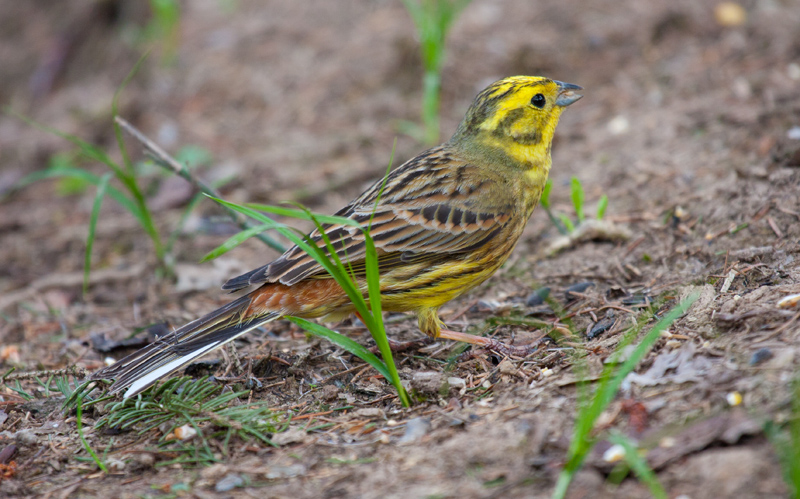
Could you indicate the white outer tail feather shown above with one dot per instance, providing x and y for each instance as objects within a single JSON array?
[{"x": 153, "y": 376}]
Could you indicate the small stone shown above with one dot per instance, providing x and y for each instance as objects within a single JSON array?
[
  {"x": 457, "y": 383},
  {"x": 26, "y": 437},
  {"x": 537, "y": 297},
  {"x": 185, "y": 432},
  {"x": 790, "y": 301},
  {"x": 761, "y": 355},
  {"x": 290, "y": 436},
  {"x": 730, "y": 14},
  {"x": 371, "y": 412},
  {"x": 734, "y": 398},
  {"x": 8, "y": 453},
  {"x": 144, "y": 459},
  {"x": 115, "y": 465},
  {"x": 667, "y": 442},
  {"x": 214, "y": 472},
  {"x": 277, "y": 472},
  {"x": 577, "y": 288},
  {"x": 507, "y": 367},
  {"x": 415, "y": 429},
  {"x": 229, "y": 482},
  {"x": 329, "y": 392},
  {"x": 427, "y": 382},
  {"x": 602, "y": 325},
  {"x": 793, "y": 71},
  {"x": 614, "y": 454},
  {"x": 618, "y": 125}
]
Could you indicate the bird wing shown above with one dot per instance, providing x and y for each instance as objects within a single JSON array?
[{"x": 423, "y": 210}]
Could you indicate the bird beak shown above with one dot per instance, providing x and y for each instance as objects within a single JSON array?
[{"x": 566, "y": 93}]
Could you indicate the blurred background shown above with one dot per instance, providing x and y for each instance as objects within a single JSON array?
[
  {"x": 689, "y": 126},
  {"x": 282, "y": 100}
]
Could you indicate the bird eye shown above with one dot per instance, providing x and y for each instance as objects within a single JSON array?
[{"x": 538, "y": 100}]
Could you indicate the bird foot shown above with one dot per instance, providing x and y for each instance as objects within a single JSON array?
[{"x": 490, "y": 344}]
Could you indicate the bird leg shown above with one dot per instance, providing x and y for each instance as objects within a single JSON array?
[{"x": 480, "y": 341}]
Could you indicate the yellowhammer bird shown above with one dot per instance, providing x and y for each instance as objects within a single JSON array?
[{"x": 445, "y": 221}]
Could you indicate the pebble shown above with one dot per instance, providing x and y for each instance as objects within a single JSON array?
[
  {"x": 293, "y": 470},
  {"x": 537, "y": 297},
  {"x": 371, "y": 412},
  {"x": 185, "y": 432},
  {"x": 329, "y": 392},
  {"x": 619, "y": 125},
  {"x": 791, "y": 300},
  {"x": 614, "y": 454},
  {"x": 577, "y": 288},
  {"x": 507, "y": 367},
  {"x": 457, "y": 383},
  {"x": 730, "y": 14},
  {"x": 415, "y": 429},
  {"x": 734, "y": 398},
  {"x": 427, "y": 382},
  {"x": 229, "y": 482},
  {"x": 602, "y": 325},
  {"x": 26, "y": 437},
  {"x": 115, "y": 465},
  {"x": 793, "y": 72},
  {"x": 290, "y": 436},
  {"x": 144, "y": 459},
  {"x": 761, "y": 355}
]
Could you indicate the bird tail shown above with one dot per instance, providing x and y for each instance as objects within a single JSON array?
[{"x": 172, "y": 351}]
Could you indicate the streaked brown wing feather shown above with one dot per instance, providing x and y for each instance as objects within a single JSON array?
[{"x": 425, "y": 211}]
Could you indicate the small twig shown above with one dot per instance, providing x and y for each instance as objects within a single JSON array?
[
  {"x": 726, "y": 285},
  {"x": 76, "y": 371},
  {"x": 774, "y": 227},
  {"x": 164, "y": 160}
]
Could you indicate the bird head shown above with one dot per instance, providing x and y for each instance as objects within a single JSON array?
[{"x": 513, "y": 120}]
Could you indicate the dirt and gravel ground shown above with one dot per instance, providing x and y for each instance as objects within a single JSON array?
[{"x": 689, "y": 125}]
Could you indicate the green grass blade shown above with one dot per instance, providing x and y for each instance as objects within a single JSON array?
[
  {"x": 610, "y": 381},
  {"x": 89, "y": 150},
  {"x": 343, "y": 342},
  {"x": 84, "y": 175},
  {"x": 86, "y": 445},
  {"x": 379, "y": 335},
  {"x": 787, "y": 442},
  {"x": 639, "y": 466},
  {"x": 544, "y": 199},
  {"x": 329, "y": 259},
  {"x": 128, "y": 175},
  {"x": 337, "y": 272},
  {"x": 577, "y": 197},
  {"x": 98, "y": 202},
  {"x": 301, "y": 214},
  {"x": 601, "y": 207},
  {"x": 568, "y": 225},
  {"x": 235, "y": 241}
]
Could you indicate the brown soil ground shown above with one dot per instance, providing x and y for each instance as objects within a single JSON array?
[{"x": 685, "y": 125}]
